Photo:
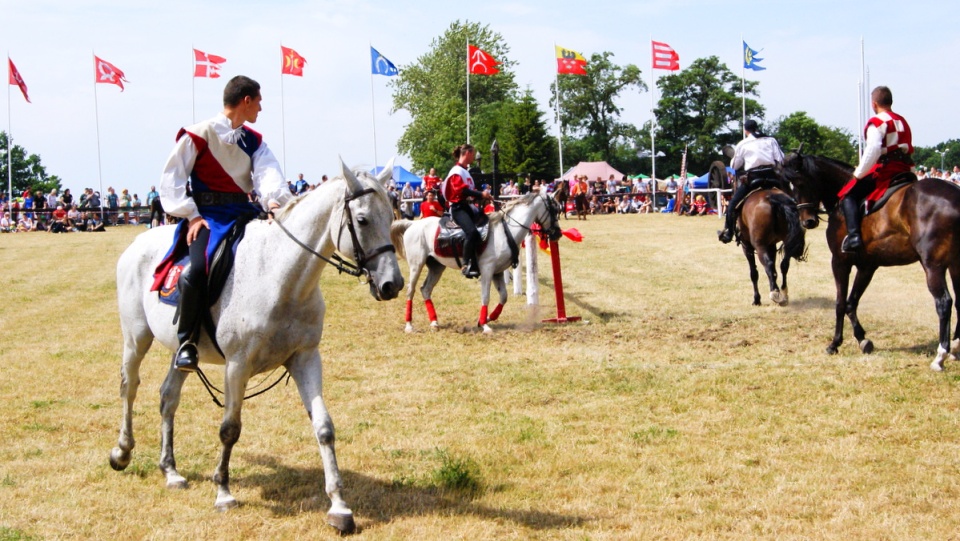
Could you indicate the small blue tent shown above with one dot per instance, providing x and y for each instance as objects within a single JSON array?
[
  {"x": 401, "y": 176},
  {"x": 703, "y": 182}
]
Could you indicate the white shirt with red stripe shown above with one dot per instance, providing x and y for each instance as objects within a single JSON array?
[
  {"x": 457, "y": 179},
  {"x": 884, "y": 133}
]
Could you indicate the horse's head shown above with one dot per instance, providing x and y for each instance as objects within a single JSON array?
[
  {"x": 800, "y": 172},
  {"x": 553, "y": 205},
  {"x": 365, "y": 229}
]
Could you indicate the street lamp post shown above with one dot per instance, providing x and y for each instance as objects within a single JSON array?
[{"x": 942, "y": 153}]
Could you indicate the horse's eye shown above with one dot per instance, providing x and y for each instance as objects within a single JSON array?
[{"x": 362, "y": 220}]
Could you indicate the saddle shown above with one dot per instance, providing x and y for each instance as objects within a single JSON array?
[
  {"x": 759, "y": 185},
  {"x": 896, "y": 184},
  {"x": 450, "y": 238}
]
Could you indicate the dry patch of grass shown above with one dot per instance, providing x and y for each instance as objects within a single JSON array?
[{"x": 676, "y": 410}]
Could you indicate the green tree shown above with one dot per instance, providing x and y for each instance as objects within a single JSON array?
[
  {"x": 521, "y": 133},
  {"x": 589, "y": 112},
  {"x": 700, "y": 109},
  {"x": 798, "y": 127},
  {"x": 929, "y": 157},
  {"x": 28, "y": 170},
  {"x": 433, "y": 90}
]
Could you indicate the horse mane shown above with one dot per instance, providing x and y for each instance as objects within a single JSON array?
[{"x": 525, "y": 199}]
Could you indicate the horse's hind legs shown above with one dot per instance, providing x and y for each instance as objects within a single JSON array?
[
  {"x": 134, "y": 349},
  {"x": 169, "y": 402},
  {"x": 936, "y": 283},
  {"x": 305, "y": 369},
  {"x": 749, "y": 253},
  {"x": 768, "y": 258},
  {"x": 784, "y": 268}
]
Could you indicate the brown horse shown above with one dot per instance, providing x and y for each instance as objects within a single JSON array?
[
  {"x": 918, "y": 223},
  {"x": 766, "y": 218},
  {"x": 562, "y": 195}
]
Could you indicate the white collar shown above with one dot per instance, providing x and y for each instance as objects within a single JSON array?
[{"x": 225, "y": 130}]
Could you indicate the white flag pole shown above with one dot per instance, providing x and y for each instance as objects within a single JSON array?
[
  {"x": 9, "y": 136},
  {"x": 863, "y": 97},
  {"x": 96, "y": 114},
  {"x": 373, "y": 112},
  {"x": 468, "y": 89},
  {"x": 283, "y": 118},
  {"x": 556, "y": 110},
  {"x": 653, "y": 131},
  {"x": 743, "y": 83},
  {"x": 193, "y": 86}
]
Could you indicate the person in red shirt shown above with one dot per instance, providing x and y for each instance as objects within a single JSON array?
[
  {"x": 431, "y": 181},
  {"x": 430, "y": 206},
  {"x": 459, "y": 192}
]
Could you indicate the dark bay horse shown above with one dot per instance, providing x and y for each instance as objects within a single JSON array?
[
  {"x": 562, "y": 195},
  {"x": 766, "y": 218},
  {"x": 918, "y": 223}
]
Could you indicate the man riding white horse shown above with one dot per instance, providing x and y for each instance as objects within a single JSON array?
[
  {"x": 206, "y": 179},
  {"x": 759, "y": 156}
]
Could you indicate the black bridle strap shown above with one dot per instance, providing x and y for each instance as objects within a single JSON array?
[{"x": 338, "y": 262}]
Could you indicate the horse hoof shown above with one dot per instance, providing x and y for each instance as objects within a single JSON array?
[
  {"x": 225, "y": 503},
  {"x": 176, "y": 481},
  {"x": 408, "y": 329},
  {"x": 342, "y": 522},
  {"x": 434, "y": 326},
  {"x": 866, "y": 346},
  {"x": 937, "y": 365},
  {"x": 831, "y": 350},
  {"x": 487, "y": 329},
  {"x": 119, "y": 459},
  {"x": 756, "y": 302}
]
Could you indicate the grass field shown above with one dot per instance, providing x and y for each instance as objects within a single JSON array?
[{"x": 676, "y": 410}]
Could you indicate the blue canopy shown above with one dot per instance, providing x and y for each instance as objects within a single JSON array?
[
  {"x": 703, "y": 182},
  {"x": 401, "y": 176}
]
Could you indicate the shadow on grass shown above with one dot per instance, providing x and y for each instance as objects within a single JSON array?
[
  {"x": 813, "y": 303},
  {"x": 375, "y": 502},
  {"x": 570, "y": 297}
]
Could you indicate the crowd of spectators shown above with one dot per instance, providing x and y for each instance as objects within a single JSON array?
[{"x": 949, "y": 176}]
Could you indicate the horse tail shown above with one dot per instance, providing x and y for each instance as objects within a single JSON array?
[
  {"x": 397, "y": 229},
  {"x": 795, "y": 244}
]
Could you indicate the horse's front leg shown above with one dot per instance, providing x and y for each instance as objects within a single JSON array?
[
  {"x": 169, "y": 402},
  {"x": 768, "y": 258},
  {"x": 306, "y": 370},
  {"x": 841, "y": 278},
  {"x": 485, "y": 280},
  {"x": 434, "y": 272},
  {"x": 415, "y": 269},
  {"x": 501, "y": 285},
  {"x": 235, "y": 383},
  {"x": 860, "y": 283},
  {"x": 134, "y": 349},
  {"x": 748, "y": 252},
  {"x": 937, "y": 284},
  {"x": 955, "y": 279}
]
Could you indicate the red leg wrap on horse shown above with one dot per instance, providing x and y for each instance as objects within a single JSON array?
[
  {"x": 409, "y": 313},
  {"x": 431, "y": 312},
  {"x": 496, "y": 312},
  {"x": 483, "y": 317}
]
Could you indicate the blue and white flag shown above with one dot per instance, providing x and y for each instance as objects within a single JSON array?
[
  {"x": 750, "y": 59},
  {"x": 379, "y": 65}
]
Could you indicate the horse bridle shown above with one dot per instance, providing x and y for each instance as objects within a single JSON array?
[
  {"x": 357, "y": 266},
  {"x": 554, "y": 223}
]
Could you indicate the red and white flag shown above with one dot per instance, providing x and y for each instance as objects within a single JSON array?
[
  {"x": 664, "y": 57},
  {"x": 206, "y": 65},
  {"x": 15, "y": 79},
  {"x": 108, "y": 73},
  {"x": 480, "y": 61}
]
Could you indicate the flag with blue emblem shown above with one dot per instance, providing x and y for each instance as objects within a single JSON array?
[
  {"x": 750, "y": 59},
  {"x": 379, "y": 65}
]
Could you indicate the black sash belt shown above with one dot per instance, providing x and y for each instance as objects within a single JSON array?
[{"x": 210, "y": 199}]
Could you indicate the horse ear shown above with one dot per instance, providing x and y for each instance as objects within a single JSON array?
[
  {"x": 353, "y": 184},
  {"x": 386, "y": 176}
]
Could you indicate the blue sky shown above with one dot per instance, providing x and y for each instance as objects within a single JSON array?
[{"x": 811, "y": 51}]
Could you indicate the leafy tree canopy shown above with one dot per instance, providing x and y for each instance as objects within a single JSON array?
[{"x": 28, "y": 170}]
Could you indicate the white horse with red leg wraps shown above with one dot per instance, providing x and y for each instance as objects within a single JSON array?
[
  {"x": 270, "y": 314},
  {"x": 415, "y": 242}
]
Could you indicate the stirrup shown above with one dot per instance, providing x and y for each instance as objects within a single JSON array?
[
  {"x": 470, "y": 272},
  {"x": 725, "y": 236},
  {"x": 186, "y": 359},
  {"x": 851, "y": 244}
]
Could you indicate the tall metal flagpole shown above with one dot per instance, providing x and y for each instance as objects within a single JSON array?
[
  {"x": 743, "y": 84},
  {"x": 468, "y": 90},
  {"x": 193, "y": 87},
  {"x": 9, "y": 136},
  {"x": 556, "y": 110},
  {"x": 283, "y": 119},
  {"x": 864, "y": 104},
  {"x": 653, "y": 132},
  {"x": 373, "y": 111},
  {"x": 96, "y": 114}
]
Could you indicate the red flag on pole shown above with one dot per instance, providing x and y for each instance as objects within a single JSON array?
[
  {"x": 206, "y": 65},
  {"x": 481, "y": 63},
  {"x": 664, "y": 57},
  {"x": 108, "y": 73},
  {"x": 293, "y": 63},
  {"x": 15, "y": 79}
]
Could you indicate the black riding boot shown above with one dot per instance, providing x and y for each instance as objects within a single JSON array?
[
  {"x": 186, "y": 359},
  {"x": 851, "y": 213},
  {"x": 729, "y": 225},
  {"x": 471, "y": 267}
]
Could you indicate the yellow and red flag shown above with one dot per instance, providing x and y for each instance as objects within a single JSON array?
[
  {"x": 293, "y": 63},
  {"x": 481, "y": 62},
  {"x": 206, "y": 65},
  {"x": 570, "y": 62},
  {"x": 108, "y": 73},
  {"x": 16, "y": 79}
]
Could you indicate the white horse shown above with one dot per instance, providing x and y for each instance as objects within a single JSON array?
[
  {"x": 270, "y": 314},
  {"x": 415, "y": 242}
]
